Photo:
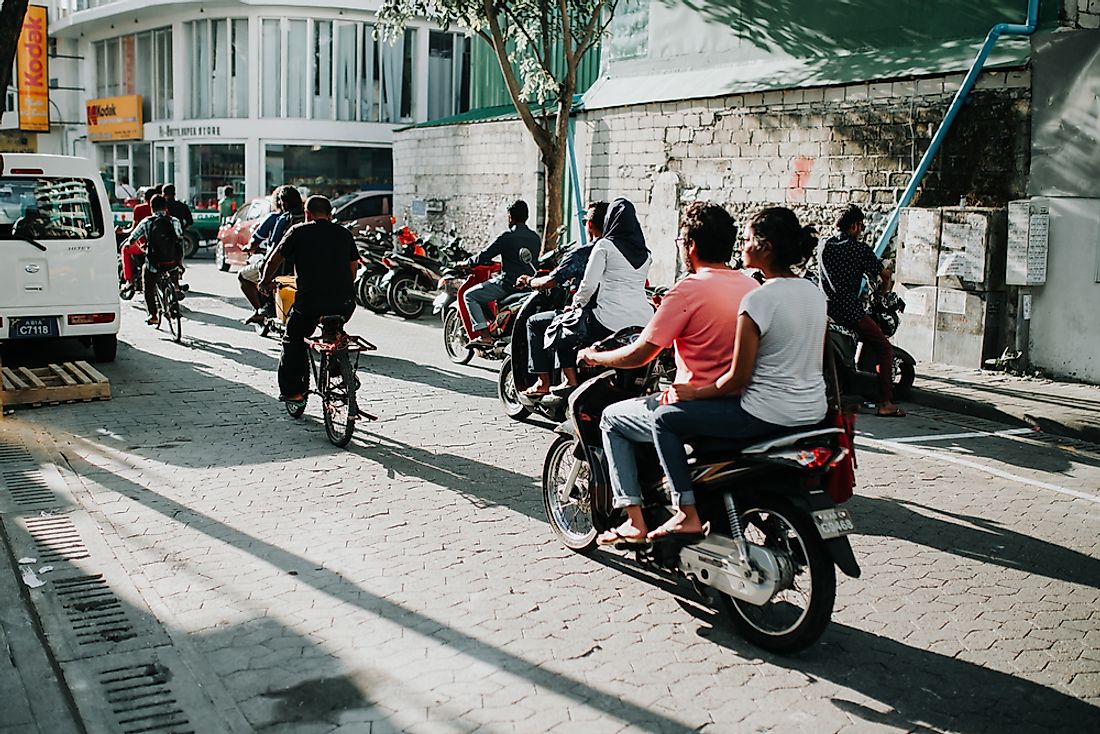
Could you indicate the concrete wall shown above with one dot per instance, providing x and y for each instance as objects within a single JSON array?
[
  {"x": 1082, "y": 13},
  {"x": 475, "y": 170}
]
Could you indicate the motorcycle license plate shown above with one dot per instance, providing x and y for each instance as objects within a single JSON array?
[
  {"x": 834, "y": 522},
  {"x": 33, "y": 327}
]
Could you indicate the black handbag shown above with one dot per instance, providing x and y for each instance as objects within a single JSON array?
[{"x": 568, "y": 330}]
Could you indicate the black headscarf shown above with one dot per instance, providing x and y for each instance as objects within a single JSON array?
[{"x": 622, "y": 228}]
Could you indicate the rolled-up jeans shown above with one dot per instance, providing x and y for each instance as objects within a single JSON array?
[
  {"x": 713, "y": 418},
  {"x": 478, "y": 298},
  {"x": 623, "y": 425}
]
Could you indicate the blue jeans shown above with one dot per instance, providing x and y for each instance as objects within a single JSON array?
[
  {"x": 645, "y": 420},
  {"x": 478, "y": 299}
]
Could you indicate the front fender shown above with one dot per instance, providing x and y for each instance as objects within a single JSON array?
[{"x": 390, "y": 275}]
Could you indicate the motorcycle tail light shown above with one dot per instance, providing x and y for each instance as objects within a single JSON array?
[{"x": 814, "y": 458}]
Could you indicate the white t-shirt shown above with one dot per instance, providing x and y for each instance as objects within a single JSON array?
[{"x": 787, "y": 386}]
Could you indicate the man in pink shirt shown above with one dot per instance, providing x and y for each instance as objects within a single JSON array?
[{"x": 699, "y": 318}]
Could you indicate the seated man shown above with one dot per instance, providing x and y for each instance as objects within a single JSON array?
[
  {"x": 259, "y": 245},
  {"x": 160, "y": 237},
  {"x": 698, "y": 317},
  {"x": 508, "y": 247},
  {"x": 325, "y": 260},
  {"x": 569, "y": 271}
]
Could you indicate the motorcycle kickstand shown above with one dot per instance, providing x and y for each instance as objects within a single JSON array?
[{"x": 360, "y": 413}]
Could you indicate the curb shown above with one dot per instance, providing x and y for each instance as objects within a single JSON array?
[{"x": 1023, "y": 415}]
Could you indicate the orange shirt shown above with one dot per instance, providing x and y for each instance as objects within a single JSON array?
[{"x": 699, "y": 317}]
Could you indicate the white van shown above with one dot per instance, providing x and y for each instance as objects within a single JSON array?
[{"x": 58, "y": 253}]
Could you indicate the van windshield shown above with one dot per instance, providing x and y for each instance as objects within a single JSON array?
[{"x": 49, "y": 208}]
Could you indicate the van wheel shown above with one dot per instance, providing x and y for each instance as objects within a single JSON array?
[
  {"x": 105, "y": 347},
  {"x": 219, "y": 258}
]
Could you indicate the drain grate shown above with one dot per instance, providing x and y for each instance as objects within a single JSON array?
[
  {"x": 142, "y": 701},
  {"x": 28, "y": 487},
  {"x": 56, "y": 539},
  {"x": 94, "y": 612},
  {"x": 14, "y": 454}
]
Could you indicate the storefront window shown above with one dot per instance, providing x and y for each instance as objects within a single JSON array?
[
  {"x": 219, "y": 69},
  {"x": 348, "y": 75},
  {"x": 212, "y": 168},
  {"x": 127, "y": 161},
  {"x": 328, "y": 170},
  {"x": 138, "y": 64}
]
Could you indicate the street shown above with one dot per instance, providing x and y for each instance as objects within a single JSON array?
[{"x": 411, "y": 583}]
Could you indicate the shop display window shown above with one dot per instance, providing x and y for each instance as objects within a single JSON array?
[
  {"x": 328, "y": 170},
  {"x": 214, "y": 167}
]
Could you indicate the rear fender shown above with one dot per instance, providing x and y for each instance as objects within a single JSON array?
[
  {"x": 904, "y": 356},
  {"x": 839, "y": 548}
]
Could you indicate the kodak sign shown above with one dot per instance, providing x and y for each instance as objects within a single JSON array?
[{"x": 32, "y": 71}]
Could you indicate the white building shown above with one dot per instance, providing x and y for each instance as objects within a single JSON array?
[{"x": 244, "y": 94}]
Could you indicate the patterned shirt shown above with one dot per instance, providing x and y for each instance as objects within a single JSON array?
[
  {"x": 572, "y": 265},
  {"x": 844, "y": 262}
]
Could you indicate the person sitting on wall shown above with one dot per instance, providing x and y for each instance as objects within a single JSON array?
[{"x": 508, "y": 247}]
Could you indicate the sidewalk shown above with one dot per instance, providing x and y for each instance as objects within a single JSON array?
[{"x": 1071, "y": 410}]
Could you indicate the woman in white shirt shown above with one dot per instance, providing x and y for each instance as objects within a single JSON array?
[
  {"x": 776, "y": 380},
  {"x": 615, "y": 275}
]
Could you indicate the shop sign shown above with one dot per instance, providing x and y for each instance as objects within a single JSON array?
[
  {"x": 32, "y": 72},
  {"x": 15, "y": 141},
  {"x": 194, "y": 131},
  {"x": 115, "y": 118}
]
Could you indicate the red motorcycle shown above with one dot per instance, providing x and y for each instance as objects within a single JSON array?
[{"x": 457, "y": 327}]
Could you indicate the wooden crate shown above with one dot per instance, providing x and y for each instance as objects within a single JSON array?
[{"x": 67, "y": 382}]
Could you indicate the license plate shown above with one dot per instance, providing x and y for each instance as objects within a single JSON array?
[
  {"x": 834, "y": 522},
  {"x": 33, "y": 327}
]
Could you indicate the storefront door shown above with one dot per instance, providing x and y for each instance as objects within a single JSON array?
[{"x": 164, "y": 162}]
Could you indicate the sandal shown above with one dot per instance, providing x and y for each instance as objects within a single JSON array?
[
  {"x": 665, "y": 532},
  {"x": 897, "y": 412},
  {"x": 533, "y": 393},
  {"x": 614, "y": 537}
]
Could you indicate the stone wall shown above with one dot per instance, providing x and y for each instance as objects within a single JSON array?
[
  {"x": 475, "y": 170},
  {"x": 1082, "y": 14}
]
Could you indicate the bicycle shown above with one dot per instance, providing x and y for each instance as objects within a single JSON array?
[
  {"x": 333, "y": 366},
  {"x": 168, "y": 300}
]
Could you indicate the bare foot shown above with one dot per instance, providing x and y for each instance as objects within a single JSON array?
[
  {"x": 682, "y": 523},
  {"x": 625, "y": 533}
]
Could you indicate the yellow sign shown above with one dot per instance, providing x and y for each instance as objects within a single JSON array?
[
  {"x": 15, "y": 141},
  {"x": 115, "y": 118},
  {"x": 33, "y": 78}
]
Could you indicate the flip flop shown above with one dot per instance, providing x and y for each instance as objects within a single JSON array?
[
  {"x": 616, "y": 537},
  {"x": 664, "y": 533},
  {"x": 897, "y": 412}
]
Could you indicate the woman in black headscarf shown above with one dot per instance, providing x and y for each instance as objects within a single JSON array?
[{"x": 617, "y": 269}]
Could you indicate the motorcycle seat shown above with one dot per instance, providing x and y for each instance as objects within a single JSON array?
[
  {"x": 708, "y": 446},
  {"x": 514, "y": 298}
]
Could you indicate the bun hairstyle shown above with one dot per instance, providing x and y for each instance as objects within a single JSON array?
[{"x": 792, "y": 244}]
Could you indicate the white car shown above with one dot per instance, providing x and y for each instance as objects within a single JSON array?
[{"x": 58, "y": 253}]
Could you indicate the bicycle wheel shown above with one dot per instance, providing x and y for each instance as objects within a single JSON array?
[
  {"x": 338, "y": 398},
  {"x": 170, "y": 308}
]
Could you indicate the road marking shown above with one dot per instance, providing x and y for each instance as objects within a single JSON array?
[
  {"x": 959, "y": 436},
  {"x": 892, "y": 445}
]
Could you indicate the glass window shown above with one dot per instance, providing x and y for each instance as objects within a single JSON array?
[
  {"x": 272, "y": 94},
  {"x": 238, "y": 70},
  {"x": 328, "y": 170},
  {"x": 198, "y": 45},
  {"x": 408, "y": 74},
  {"x": 347, "y": 56},
  {"x": 212, "y": 168},
  {"x": 219, "y": 72},
  {"x": 448, "y": 74},
  {"x": 49, "y": 208},
  {"x": 322, "y": 70},
  {"x": 296, "y": 54},
  {"x": 219, "y": 67},
  {"x": 163, "y": 100}
]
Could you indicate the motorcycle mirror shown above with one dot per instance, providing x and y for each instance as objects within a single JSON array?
[{"x": 525, "y": 255}]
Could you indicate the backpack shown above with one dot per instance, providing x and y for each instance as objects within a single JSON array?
[{"x": 163, "y": 245}]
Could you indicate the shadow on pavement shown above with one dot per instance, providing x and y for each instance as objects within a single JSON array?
[{"x": 426, "y": 374}]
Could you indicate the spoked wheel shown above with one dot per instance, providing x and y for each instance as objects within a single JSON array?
[
  {"x": 401, "y": 300},
  {"x": 371, "y": 295},
  {"x": 569, "y": 513},
  {"x": 799, "y": 612},
  {"x": 219, "y": 258},
  {"x": 338, "y": 398},
  {"x": 506, "y": 391},
  {"x": 454, "y": 337},
  {"x": 170, "y": 309}
]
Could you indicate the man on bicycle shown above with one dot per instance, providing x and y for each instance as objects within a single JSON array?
[
  {"x": 325, "y": 260},
  {"x": 160, "y": 237}
]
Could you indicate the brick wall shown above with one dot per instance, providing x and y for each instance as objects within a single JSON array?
[
  {"x": 476, "y": 170},
  {"x": 811, "y": 149},
  {"x": 1081, "y": 13}
]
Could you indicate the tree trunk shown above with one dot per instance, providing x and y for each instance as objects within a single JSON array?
[
  {"x": 11, "y": 25},
  {"x": 553, "y": 168}
]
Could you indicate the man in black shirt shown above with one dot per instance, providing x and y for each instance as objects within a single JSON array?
[
  {"x": 844, "y": 263},
  {"x": 177, "y": 209},
  {"x": 509, "y": 247},
  {"x": 325, "y": 260}
]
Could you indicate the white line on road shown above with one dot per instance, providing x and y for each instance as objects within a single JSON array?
[
  {"x": 959, "y": 436},
  {"x": 893, "y": 445}
]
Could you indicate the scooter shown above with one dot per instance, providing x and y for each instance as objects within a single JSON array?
[
  {"x": 855, "y": 359},
  {"x": 374, "y": 245},
  {"x": 774, "y": 535},
  {"x": 413, "y": 276}
]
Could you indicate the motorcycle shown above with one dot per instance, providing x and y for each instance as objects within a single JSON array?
[
  {"x": 774, "y": 532},
  {"x": 373, "y": 247},
  {"x": 856, "y": 360},
  {"x": 414, "y": 272}
]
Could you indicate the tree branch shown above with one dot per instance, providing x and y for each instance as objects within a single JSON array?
[
  {"x": 591, "y": 36},
  {"x": 530, "y": 41}
]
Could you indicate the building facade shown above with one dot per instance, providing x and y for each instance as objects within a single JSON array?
[{"x": 242, "y": 94}]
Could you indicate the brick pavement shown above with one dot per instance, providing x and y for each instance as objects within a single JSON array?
[{"x": 410, "y": 583}]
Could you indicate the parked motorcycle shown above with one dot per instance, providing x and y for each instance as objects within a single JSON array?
[
  {"x": 374, "y": 245},
  {"x": 414, "y": 272},
  {"x": 774, "y": 534},
  {"x": 857, "y": 359}
]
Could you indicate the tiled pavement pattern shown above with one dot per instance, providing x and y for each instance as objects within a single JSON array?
[{"x": 411, "y": 583}]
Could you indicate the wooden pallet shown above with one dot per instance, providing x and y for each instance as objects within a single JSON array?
[{"x": 67, "y": 382}]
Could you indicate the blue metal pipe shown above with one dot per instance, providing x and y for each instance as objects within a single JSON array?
[
  {"x": 575, "y": 178},
  {"x": 1010, "y": 29}
]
